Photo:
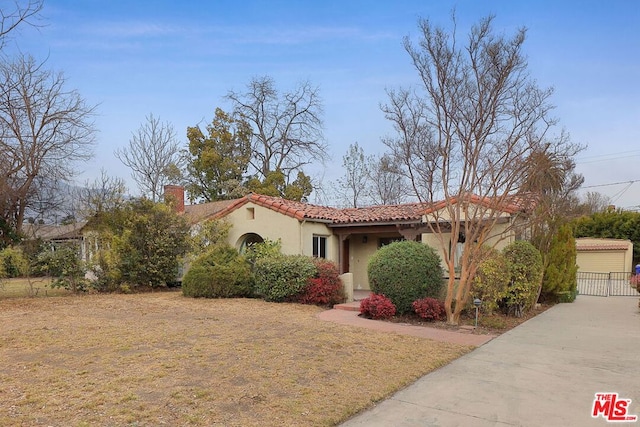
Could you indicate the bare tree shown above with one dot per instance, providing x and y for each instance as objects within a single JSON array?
[
  {"x": 105, "y": 193},
  {"x": 287, "y": 128},
  {"x": 465, "y": 136},
  {"x": 387, "y": 185},
  {"x": 595, "y": 202},
  {"x": 153, "y": 155},
  {"x": 352, "y": 188},
  {"x": 12, "y": 17},
  {"x": 45, "y": 129}
]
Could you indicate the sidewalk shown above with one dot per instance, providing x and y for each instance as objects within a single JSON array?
[{"x": 544, "y": 372}]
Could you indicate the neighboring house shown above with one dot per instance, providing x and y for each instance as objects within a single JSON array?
[
  {"x": 604, "y": 255},
  {"x": 346, "y": 236},
  {"x": 70, "y": 234}
]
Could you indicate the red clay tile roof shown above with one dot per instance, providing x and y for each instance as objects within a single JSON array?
[
  {"x": 297, "y": 210},
  {"x": 386, "y": 213},
  {"x": 196, "y": 213},
  {"x": 602, "y": 247},
  {"x": 305, "y": 211},
  {"x": 589, "y": 244}
]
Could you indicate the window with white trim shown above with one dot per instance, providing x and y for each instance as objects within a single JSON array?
[{"x": 320, "y": 246}]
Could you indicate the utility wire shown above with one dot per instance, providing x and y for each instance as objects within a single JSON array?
[
  {"x": 613, "y": 183},
  {"x": 605, "y": 157}
]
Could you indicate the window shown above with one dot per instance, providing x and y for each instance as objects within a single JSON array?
[
  {"x": 319, "y": 246},
  {"x": 251, "y": 213}
]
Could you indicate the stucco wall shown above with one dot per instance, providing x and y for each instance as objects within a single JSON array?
[{"x": 296, "y": 236}]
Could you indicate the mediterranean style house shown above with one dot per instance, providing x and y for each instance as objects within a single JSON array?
[{"x": 346, "y": 236}]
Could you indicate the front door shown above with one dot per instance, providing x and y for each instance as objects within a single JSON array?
[{"x": 344, "y": 262}]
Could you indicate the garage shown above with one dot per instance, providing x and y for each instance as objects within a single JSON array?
[
  {"x": 604, "y": 267},
  {"x": 604, "y": 255}
]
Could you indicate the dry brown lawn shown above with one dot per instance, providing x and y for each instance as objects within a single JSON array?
[
  {"x": 29, "y": 287},
  {"x": 163, "y": 359}
]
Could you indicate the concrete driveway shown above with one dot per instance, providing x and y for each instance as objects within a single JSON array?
[{"x": 545, "y": 372}]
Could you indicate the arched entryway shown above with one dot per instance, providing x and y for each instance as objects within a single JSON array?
[{"x": 247, "y": 240}]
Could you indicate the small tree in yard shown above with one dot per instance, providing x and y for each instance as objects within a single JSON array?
[
  {"x": 469, "y": 135},
  {"x": 142, "y": 245},
  {"x": 560, "y": 272}
]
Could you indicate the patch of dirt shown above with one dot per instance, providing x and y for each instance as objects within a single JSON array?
[{"x": 493, "y": 324}]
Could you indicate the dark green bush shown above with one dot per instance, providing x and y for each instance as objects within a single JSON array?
[
  {"x": 405, "y": 272},
  {"x": 560, "y": 280},
  {"x": 525, "y": 268},
  {"x": 219, "y": 273},
  {"x": 282, "y": 277}
]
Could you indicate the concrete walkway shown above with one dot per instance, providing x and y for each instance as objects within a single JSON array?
[{"x": 545, "y": 372}]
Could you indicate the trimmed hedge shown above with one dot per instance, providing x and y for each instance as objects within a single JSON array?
[
  {"x": 282, "y": 278},
  {"x": 405, "y": 271},
  {"x": 219, "y": 273}
]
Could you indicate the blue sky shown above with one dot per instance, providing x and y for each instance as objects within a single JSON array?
[{"x": 177, "y": 60}]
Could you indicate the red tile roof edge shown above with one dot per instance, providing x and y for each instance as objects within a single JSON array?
[
  {"x": 596, "y": 247},
  {"x": 364, "y": 215}
]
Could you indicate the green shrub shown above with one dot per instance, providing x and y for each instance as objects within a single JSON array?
[
  {"x": 142, "y": 245},
  {"x": 267, "y": 248},
  {"x": 560, "y": 280},
  {"x": 566, "y": 296},
  {"x": 377, "y": 307},
  {"x": 491, "y": 281},
  {"x": 281, "y": 278},
  {"x": 405, "y": 272},
  {"x": 66, "y": 267},
  {"x": 325, "y": 288},
  {"x": 13, "y": 263},
  {"x": 219, "y": 273},
  {"x": 525, "y": 268}
]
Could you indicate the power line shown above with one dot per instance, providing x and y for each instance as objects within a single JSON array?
[
  {"x": 608, "y": 185},
  {"x": 604, "y": 157}
]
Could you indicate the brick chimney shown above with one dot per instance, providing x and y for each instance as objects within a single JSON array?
[{"x": 174, "y": 196}]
